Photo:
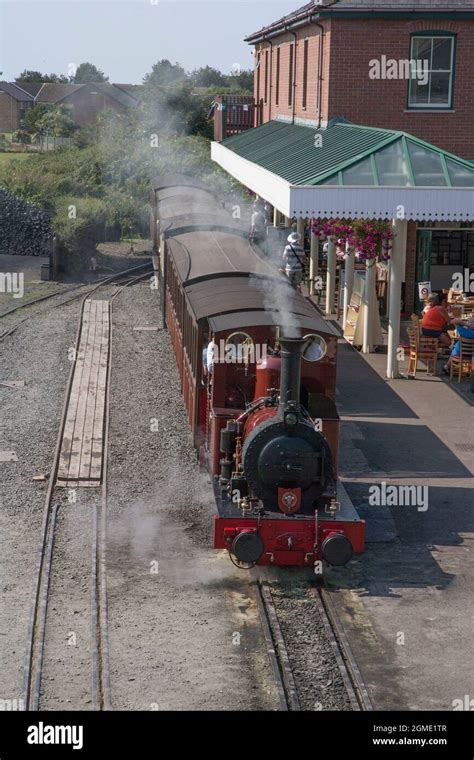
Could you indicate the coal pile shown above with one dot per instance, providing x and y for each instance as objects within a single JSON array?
[{"x": 24, "y": 229}]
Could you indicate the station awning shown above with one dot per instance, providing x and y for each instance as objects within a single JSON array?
[{"x": 348, "y": 170}]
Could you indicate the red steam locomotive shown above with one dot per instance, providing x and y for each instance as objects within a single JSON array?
[{"x": 257, "y": 364}]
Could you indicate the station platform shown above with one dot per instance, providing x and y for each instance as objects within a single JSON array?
[{"x": 407, "y": 602}]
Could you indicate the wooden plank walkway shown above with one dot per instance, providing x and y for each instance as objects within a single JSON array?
[{"x": 80, "y": 462}]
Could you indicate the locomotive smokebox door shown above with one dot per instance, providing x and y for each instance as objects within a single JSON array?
[{"x": 247, "y": 547}]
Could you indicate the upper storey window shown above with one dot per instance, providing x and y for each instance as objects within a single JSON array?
[{"x": 433, "y": 85}]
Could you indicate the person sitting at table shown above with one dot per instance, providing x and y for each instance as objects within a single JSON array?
[
  {"x": 431, "y": 301},
  {"x": 435, "y": 322},
  {"x": 464, "y": 330}
]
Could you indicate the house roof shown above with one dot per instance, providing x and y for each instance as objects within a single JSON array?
[
  {"x": 32, "y": 87},
  {"x": 116, "y": 93},
  {"x": 350, "y": 155},
  {"x": 331, "y": 8},
  {"x": 56, "y": 92},
  {"x": 16, "y": 92},
  {"x": 131, "y": 89},
  {"x": 51, "y": 92}
]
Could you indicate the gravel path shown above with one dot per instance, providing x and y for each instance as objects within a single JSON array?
[
  {"x": 36, "y": 354},
  {"x": 184, "y": 630}
]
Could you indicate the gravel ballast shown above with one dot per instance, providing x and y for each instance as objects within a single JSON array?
[{"x": 37, "y": 354}]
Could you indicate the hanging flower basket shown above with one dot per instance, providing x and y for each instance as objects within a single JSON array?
[{"x": 371, "y": 240}]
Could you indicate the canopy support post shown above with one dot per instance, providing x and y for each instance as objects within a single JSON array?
[
  {"x": 369, "y": 303},
  {"x": 348, "y": 281},
  {"x": 331, "y": 276},
  {"x": 313, "y": 263},
  {"x": 400, "y": 227}
]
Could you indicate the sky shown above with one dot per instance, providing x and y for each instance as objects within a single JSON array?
[{"x": 125, "y": 37}]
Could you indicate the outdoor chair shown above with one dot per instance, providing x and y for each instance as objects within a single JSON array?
[
  {"x": 462, "y": 364},
  {"x": 416, "y": 323},
  {"x": 422, "y": 348}
]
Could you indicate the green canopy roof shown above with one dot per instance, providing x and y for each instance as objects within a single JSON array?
[{"x": 348, "y": 155}]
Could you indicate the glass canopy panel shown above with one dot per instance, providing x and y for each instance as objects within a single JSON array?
[
  {"x": 426, "y": 165},
  {"x": 334, "y": 180},
  {"x": 360, "y": 174},
  {"x": 392, "y": 166},
  {"x": 461, "y": 176}
]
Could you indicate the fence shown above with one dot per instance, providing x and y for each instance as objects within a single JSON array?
[
  {"x": 232, "y": 114},
  {"x": 48, "y": 142}
]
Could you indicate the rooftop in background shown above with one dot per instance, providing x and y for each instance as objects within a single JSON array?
[
  {"x": 51, "y": 92},
  {"x": 348, "y": 7},
  {"x": 16, "y": 91}
]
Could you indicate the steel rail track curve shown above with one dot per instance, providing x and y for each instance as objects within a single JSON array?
[
  {"x": 33, "y": 664},
  {"x": 69, "y": 300}
]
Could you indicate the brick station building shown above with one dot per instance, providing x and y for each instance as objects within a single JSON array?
[{"x": 333, "y": 59}]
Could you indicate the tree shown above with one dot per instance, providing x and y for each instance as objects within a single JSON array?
[
  {"x": 87, "y": 72},
  {"x": 164, "y": 73},
  {"x": 34, "y": 119},
  {"x": 207, "y": 76},
  {"x": 47, "y": 118},
  {"x": 243, "y": 80},
  {"x": 36, "y": 76}
]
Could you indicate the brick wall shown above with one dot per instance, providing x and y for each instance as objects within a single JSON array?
[
  {"x": 349, "y": 46},
  {"x": 9, "y": 113},
  {"x": 383, "y": 103},
  {"x": 86, "y": 106},
  {"x": 410, "y": 268},
  {"x": 271, "y": 108}
]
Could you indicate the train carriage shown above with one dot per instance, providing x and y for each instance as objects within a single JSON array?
[{"x": 245, "y": 343}]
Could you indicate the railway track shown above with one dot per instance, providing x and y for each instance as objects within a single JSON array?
[
  {"x": 37, "y": 628},
  {"x": 280, "y": 662},
  {"x": 276, "y": 647},
  {"x": 348, "y": 668},
  {"x": 72, "y": 294}
]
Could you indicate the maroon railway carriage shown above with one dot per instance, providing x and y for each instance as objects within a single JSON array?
[{"x": 260, "y": 403}]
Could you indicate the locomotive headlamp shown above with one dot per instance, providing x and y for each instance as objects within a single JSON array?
[
  {"x": 291, "y": 419},
  {"x": 315, "y": 348}
]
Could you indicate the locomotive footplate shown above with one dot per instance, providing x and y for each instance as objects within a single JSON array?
[{"x": 282, "y": 540}]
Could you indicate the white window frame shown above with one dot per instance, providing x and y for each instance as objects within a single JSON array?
[{"x": 432, "y": 106}]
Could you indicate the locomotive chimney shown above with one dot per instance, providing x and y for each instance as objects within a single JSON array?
[{"x": 290, "y": 373}]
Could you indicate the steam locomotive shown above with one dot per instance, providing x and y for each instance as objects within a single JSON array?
[{"x": 257, "y": 365}]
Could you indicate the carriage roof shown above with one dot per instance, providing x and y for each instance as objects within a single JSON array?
[{"x": 224, "y": 277}]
